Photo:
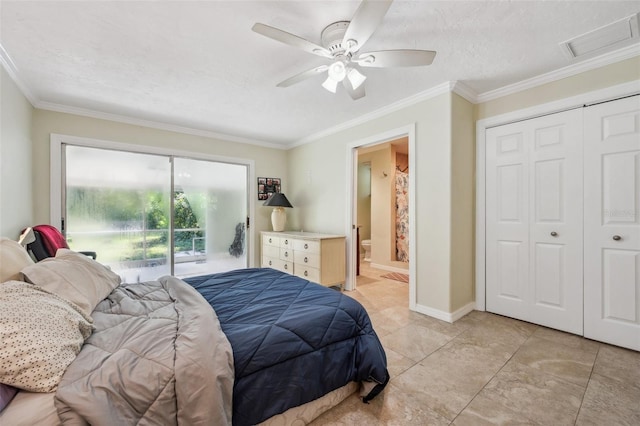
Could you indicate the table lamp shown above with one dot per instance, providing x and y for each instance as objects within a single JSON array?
[{"x": 278, "y": 216}]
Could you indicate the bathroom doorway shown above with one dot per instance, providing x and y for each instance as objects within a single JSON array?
[{"x": 382, "y": 212}]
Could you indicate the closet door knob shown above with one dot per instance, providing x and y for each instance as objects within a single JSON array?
[
  {"x": 617, "y": 238},
  {"x": 554, "y": 234}
]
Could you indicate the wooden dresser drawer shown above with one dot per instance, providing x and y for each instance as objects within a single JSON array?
[
  {"x": 270, "y": 240},
  {"x": 279, "y": 264},
  {"x": 286, "y": 254},
  {"x": 308, "y": 273},
  {"x": 286, "y": 242},
  {"x": 271, "y": 251},
  {"x": 306, "y": 246},
  {"x": 306, "y": 259}
]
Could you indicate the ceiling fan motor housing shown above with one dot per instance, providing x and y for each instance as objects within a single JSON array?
[{"x": 332, "y": 37}]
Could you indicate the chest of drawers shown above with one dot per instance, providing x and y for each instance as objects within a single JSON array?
[{"x": 316, "y": 257}]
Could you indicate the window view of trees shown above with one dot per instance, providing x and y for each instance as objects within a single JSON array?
[{"x": 133, "y": 225}]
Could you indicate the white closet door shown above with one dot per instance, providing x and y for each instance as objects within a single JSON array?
[
  {"x": 507, "y": 220},
  {"x": 534, "y": 221},
  {"x": 612, "y": 222}
]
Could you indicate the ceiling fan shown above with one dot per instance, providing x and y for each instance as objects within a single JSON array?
[{"x": 341, "y": 44}]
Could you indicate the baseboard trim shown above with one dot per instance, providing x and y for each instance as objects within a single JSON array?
[
  {"x": 446, "y": 316},
  {"x": 389, "y": 268}
]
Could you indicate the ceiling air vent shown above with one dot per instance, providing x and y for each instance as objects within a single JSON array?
[{"x": 604, "y": 39}]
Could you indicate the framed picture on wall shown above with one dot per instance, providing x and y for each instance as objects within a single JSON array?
[{"x": 267, "y": 186}]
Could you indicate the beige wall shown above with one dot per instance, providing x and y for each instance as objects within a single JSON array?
[
  {"x": 318, "y": 174},
  {"x": 268, "y": 161},
  {"x": 16, "y": 196},
  {"x": 599, "y": 78},
  {"x": 462, "y": 203}
]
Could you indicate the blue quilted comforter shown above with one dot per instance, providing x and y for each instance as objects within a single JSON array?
[{"x": 293, "y": 341}]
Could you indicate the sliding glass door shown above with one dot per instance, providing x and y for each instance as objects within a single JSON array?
[
  {"x": 150, "y": 215},
  {"x": 210, "y": 214}
]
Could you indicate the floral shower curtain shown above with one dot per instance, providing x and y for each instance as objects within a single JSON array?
[{"x": 402, "y": 216}]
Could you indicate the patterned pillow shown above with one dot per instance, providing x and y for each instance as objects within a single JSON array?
[{"x": 40, "y": 335}]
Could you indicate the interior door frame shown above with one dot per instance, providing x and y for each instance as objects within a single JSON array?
[
  {"x": 409, "y": 132},
  {"x": 583, "y": 99},
  {"x": 56, "y": 180}
]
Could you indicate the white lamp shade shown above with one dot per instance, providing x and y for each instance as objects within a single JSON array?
[
  {"x": 356, "y": 78},
  {"x": 330, "y": 84}
]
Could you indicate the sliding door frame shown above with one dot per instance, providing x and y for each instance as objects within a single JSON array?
[{"x": 57, "y": 183}]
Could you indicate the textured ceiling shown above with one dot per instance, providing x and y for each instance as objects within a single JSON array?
[{"x": 199, "y": 65}]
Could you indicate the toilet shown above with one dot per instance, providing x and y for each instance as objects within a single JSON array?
[{"x": 366, "y": 246}]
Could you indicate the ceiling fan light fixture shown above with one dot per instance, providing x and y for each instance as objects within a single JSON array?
[
  {"x": 337, "y": 71},
  {"x": 330, "y": 84},
  {"x": 356, "y": 78}
]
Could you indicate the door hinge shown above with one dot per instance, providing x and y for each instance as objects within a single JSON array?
[{"x": 248, "y": 222}]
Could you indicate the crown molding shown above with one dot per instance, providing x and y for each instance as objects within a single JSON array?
[
  {"x": 465, "y": 91},
  {"x": 568, "y": 71},
  {"x": 403, "y": 103},
  {"x": 12, "y": 70},
  {"x": 49, "y": 106}
]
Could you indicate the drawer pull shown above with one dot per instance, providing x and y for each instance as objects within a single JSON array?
[
  {"x": 617, "y": 238},
  {"x": 286, "y": 254},
  {"x": 286, "y": 242},
  {"x": 306, "y": 273},
  {"x": 270, "y": 240},
  {"x": 270, "y": 263},
  {"x": 286, "y": 266},
  {"x": 306, "y": 246},
  {"x": 306, "y": 260}
]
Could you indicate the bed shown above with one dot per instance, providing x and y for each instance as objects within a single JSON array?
[{"x": 243, "y": 347}]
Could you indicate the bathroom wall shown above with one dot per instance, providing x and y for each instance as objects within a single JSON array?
[{"x": 364, "y": 197}]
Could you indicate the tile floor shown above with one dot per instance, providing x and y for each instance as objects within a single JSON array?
[{"x": 486, "y": 369}]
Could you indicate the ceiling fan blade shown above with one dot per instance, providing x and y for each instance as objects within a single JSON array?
[
  {"x": 364, "y": 23},
  {"x": 354, "y": 93},
  {"x": 291, "y": 40},
  {"x": 395, "y": 58},
  {"x": 303, "y": 76}
]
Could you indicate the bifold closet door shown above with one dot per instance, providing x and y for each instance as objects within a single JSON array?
[
  {"x": 612, "y": 222},
  {"x": 534, "y": 221}
]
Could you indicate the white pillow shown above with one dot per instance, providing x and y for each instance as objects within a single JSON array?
[
  {"x": 74, "y": 277},
  {"x": 13, "y": 258},
  {"x": 40, "y": 335}
]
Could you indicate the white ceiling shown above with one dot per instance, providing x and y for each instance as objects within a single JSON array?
[{"x": 198, "y": 64}]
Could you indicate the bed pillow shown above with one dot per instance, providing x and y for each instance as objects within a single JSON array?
[
  {"x": 13, "y": 258},
  {"x": 40, "y": 335},
  {"x": 6, "y": 395},
  {"x": 74, "y": 277}
]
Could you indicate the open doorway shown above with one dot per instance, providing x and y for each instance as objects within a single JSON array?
[
  {"x": 382, "y": 202},
  {"x": 381, "y": 210}
]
